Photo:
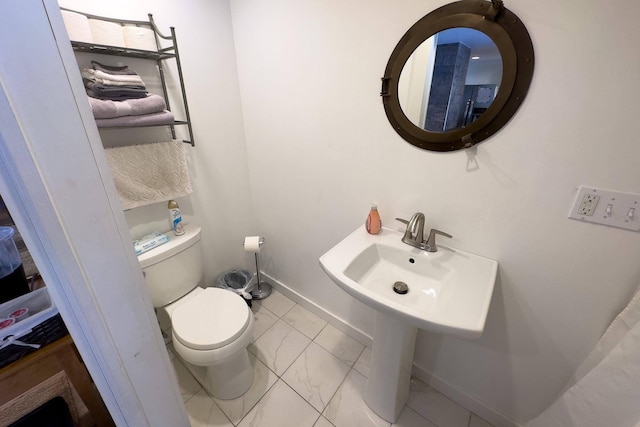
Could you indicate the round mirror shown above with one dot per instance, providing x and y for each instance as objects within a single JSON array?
[
  {"x": 458, "y": 75},
  {"x": 450, "y": 79}
]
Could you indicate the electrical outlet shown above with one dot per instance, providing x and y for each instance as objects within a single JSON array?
[
  {"x": 588, "y": 205},
  {"x": 612, "y": 208}
]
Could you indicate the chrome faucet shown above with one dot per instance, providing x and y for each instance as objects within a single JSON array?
[{"x": 414, "y": 234}]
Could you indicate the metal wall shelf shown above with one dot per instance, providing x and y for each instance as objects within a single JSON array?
[
  {"x": 160, "y": 55},
  {"x": 175, "y": 123},
  {"x": 100, "y": 49}
]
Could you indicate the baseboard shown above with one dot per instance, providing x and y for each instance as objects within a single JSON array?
[
  {"x": 465, "y": 400},
  {"x": 334, "y": 320}
]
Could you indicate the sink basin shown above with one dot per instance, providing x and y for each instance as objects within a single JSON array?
[{"x": 449, "y": 291}]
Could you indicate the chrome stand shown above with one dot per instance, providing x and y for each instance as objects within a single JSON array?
[{"x": 263, "y": 289}]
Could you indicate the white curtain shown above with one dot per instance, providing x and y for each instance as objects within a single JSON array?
[{"x": 605, "y": 389}]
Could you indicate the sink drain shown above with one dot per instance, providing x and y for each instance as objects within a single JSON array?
[{"x": 400, "y": 288}]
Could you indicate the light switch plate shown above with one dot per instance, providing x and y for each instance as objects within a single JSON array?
[{"x": 612, "y": 208}]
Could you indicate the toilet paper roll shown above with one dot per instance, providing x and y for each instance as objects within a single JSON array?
[
  {"x": 107, "y": 33},
  {"x": 252, "y": 244},
  {"x": 77, "y": 26},
  {"x": 139, "y": 38}
]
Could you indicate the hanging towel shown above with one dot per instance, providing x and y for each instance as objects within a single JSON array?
[
  {"x": 77, "y": 26},
  {"x": 149, "y": 173}
]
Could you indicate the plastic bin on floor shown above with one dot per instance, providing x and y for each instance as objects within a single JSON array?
[{"x": 239, "y": 281}]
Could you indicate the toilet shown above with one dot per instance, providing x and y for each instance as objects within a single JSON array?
[{"x": 210, "y": 327}]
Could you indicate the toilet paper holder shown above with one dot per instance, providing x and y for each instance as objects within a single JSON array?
[{"x": 263, "y": 289}]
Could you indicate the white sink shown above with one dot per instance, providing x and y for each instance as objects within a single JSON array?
[{"x": 449, "y": 291}]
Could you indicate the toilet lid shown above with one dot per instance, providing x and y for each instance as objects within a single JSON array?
[{"x": 211, "y": 319}]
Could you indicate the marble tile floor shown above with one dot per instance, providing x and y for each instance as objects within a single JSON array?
[{"x": 308, "y": 373}]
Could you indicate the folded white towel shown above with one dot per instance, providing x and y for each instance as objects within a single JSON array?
[
  {"x": 77, "y": 26},
  {"x": 141, "y": 38},
  {"x": 149, "y": 173},
  {"x": 107, "y": 33}
]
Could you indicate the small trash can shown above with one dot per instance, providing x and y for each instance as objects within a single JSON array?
[
  {"x": 13, "y": 281},
  {"x": 239, "y": 281}
]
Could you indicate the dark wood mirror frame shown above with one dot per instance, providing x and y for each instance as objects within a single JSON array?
[{"x": 515, "y": 46}]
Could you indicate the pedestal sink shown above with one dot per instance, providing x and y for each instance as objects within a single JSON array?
[{"x": 448, "y": 291}]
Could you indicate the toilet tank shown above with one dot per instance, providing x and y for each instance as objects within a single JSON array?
[{"x": 173, "y": 269}]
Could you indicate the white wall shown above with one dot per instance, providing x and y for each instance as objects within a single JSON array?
[
  {"x": 220, "y": 202},
  {"x": 320, "y": 150}
]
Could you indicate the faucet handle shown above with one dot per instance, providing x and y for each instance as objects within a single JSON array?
[
  {"x": 404, "y": 221},
  {"x": 442, "y": 233},
  {"x": 431, "y": 240}
]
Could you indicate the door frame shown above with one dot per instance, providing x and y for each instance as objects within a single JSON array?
[{"x": 55, "y": 181}]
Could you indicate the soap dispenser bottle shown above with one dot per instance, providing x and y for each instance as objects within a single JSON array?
[{"x": 373, "y": 223}]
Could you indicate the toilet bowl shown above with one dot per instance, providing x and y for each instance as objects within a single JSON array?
[{"x": 211, "y": 327}]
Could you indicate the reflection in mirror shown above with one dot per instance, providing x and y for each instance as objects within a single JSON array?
[{"x": 450, "y": 79}]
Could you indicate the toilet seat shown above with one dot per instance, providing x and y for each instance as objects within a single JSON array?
[{"x": 211, "y": 319}]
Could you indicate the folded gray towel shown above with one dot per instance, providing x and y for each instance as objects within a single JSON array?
[
  {"x": 116, "y": 93},
  {"x": 108, "y": 109},
  {"x": 113, "y": 69},
  {"x": 155, "y": 119}
]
